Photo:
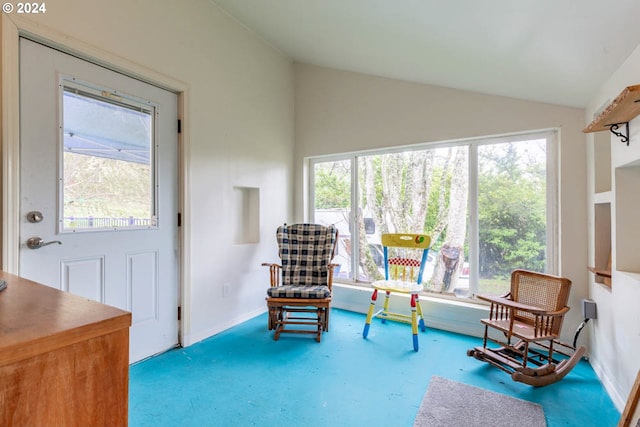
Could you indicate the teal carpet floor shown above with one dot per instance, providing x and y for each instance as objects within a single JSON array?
[{"x": 242, "y": 377}]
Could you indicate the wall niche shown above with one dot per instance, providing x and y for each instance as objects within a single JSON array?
[
  {"x": 247, "y": 214},
  {"x": 627, "y": 183},
  {"x": 602, "y": 235}
]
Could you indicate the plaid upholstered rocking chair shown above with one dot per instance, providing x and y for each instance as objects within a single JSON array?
[{"x": 299, "y": 297}]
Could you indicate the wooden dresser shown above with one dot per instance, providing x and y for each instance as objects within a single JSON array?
[{"x": 64, "y": 360}]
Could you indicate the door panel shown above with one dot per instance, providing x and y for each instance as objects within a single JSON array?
[
  {"x": 143, "y": 285},
  {"x": 84, "y": 277},
  {"x": 128, "y": 260}
]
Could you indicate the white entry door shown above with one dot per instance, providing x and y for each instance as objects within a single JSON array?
[{"x": 98, "y": 190}]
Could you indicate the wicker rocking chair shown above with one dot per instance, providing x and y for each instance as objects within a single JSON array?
[{"x": 529, "y": 319}]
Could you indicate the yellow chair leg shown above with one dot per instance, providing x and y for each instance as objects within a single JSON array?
[
  {"x": 385, "y": 306},
  {"x": 372, "y": 306},
  {"x": 421, "y": 324},
  {"x": 414, "y": 321}
]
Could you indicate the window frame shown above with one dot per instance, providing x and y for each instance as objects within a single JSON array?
[
  {"x": 122, "y": 100},
  {"x": 552, "y": 194}
]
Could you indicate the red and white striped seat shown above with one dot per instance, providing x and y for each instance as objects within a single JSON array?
[{"x": 406, "y": 262}]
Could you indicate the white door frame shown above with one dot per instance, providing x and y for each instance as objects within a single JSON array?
[{"x": 11, "y": 29}]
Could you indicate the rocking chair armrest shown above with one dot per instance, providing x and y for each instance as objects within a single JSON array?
[
  {"x": 491, "y": 298},
  {"x": 331, "y": 268},
  {"x": 518, "y": 306},
  {"x": 560, "y": 312},
  {"x": 274, "y": 273},
  {"x": 269, "y": 264}
]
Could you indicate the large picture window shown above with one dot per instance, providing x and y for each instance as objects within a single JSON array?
[{"x": 487, "y": 205}]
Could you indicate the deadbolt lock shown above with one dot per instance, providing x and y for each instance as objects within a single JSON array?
[{"x": 35, "y": 216}]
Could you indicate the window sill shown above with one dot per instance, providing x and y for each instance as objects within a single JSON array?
[{"x": 440, "y": 312}]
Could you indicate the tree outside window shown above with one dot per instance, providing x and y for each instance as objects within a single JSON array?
[{"x": 430, "y": 190}]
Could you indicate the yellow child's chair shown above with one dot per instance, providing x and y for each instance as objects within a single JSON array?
[{"x": 405, "y": 257}]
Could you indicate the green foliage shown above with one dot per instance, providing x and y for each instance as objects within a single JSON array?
[
  {"x": 512, "y": 213},
  {"x": 331, "y": 187},
  {"x": 438, "y": 204}
]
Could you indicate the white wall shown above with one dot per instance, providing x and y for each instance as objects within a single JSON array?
[
  {"x": 339, "y": 112},
  {"x": 239, "y": 128},
  {"x": 616, "y": 332}
]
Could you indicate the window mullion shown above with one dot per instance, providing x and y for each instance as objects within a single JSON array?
[
  {"x": 474, "y": 239},
  {"x": 354, "y": 219},
  {"x": 552, "y": 205}
]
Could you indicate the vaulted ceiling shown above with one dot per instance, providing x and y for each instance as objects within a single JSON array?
[{"x": 555, "y": 51}]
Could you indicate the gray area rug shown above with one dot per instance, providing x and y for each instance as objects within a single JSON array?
[{"x": 450, "y": 403}]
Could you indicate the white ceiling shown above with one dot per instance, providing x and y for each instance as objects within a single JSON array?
[{"x": 555, "y": 51}]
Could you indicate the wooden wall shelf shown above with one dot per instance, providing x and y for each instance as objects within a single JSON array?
[
  {"x": 619, "y": 112},
  {"x": 602, "y": 276},
  {"x": 600, "y": 272}
]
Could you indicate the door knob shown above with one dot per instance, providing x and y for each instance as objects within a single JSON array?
[{"x": 38, "y": 242}]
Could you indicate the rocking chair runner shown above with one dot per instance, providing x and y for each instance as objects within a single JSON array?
[
  {"x": 300, "y": 292},
  {"x": 530, "y": 319}
]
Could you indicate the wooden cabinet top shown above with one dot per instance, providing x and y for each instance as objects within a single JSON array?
[{"x": 36, "y": 319}]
